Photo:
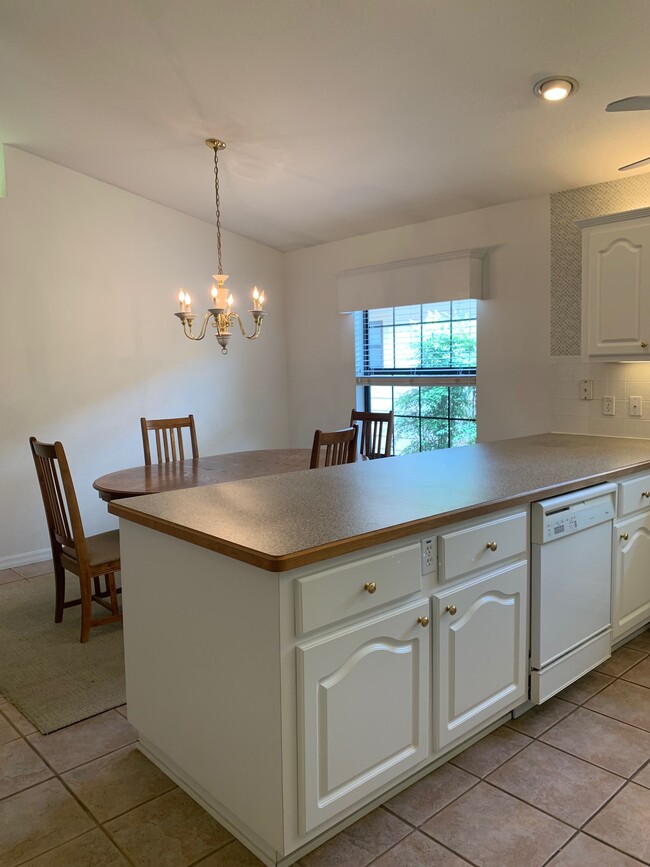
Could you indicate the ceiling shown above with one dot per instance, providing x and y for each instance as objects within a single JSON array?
[{"x": 342, "y": 117}]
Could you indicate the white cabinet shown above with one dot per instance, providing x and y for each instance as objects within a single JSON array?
[
  {"x": 616, "y": 285},
  {"x": 631, "y": 585},
  {"x": 480, "y": 649},
  {"x": 631, "y": 545},
  {"x": 363, "y": 710},
  {"x": 326, "y": 702}
]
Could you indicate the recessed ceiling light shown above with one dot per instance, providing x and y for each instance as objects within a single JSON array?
[{"x": 555, "y": 89}]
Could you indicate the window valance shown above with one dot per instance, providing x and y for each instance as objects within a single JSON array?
[{"x": 441, "y": 277}]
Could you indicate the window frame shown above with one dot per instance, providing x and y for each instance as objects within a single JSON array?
[{"x": 413, "y": 378}]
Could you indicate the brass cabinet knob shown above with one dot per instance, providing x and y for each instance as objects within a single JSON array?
[
  {"x": 645, "y": 494},
  {"x": 370, "y": 586},
  {"x": 423, "y": 621},
  {"x": 625, "y": 536},
  {"x": 492, "y": 546},
  {"x": 644, "y": 344},
  {"x": 451, "y": 609}
]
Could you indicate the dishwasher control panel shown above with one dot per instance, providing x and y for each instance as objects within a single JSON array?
[{"x": 569, "y": 513}]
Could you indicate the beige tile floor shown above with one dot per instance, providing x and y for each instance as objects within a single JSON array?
[{"x": 567, "y": 784}]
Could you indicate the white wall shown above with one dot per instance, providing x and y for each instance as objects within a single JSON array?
[
  {"x": 89, "y": 277},
  {"x": 513, "y": 385}
]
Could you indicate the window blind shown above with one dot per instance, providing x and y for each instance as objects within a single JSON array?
[{"x": 419, "y": 343}]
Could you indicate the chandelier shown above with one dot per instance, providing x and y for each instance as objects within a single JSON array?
[{"x": 221, "y": 312}]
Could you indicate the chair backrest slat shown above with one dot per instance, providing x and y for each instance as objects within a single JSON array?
[
  {"x": 376, "y": 439},
  {"x": 59, "y": 498},
  {"x": 168, "y": 433},
  {"x": 340, "y": 447}
]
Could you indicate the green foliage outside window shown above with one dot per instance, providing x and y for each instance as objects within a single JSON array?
[
  {"x": 436, "y": 417},
  {"x": 443, "y": 341}
]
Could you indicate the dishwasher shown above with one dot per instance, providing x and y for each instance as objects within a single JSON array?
[{"x": 571, "y": 580}]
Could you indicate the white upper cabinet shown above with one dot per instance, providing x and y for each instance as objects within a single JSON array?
[{"x": 616, "y": 285}]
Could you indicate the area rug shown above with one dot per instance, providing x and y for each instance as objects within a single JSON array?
[{"x": 45, "y": 671}]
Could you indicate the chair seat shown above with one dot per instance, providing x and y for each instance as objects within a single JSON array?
[{"x": 102, "y": 548}]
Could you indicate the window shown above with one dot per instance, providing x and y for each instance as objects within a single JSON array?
[{"x": 420, "y": 361}]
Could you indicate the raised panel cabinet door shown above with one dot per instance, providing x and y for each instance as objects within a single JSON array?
[
  {"x": 631, "y": 583},
  {"x": 480, "y": 650},
  {"x": 616, "y": 260},
  {"x": 363, "y": 710}
]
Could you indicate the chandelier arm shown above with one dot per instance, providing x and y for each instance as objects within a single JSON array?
[
  {"x": 256, "y": 332},
  {"x": 187, "y": 327}
]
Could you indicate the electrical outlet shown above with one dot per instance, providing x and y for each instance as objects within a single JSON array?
[
  {"x": 609, "y": 404},
  {"x": 428, "y": 556},
  {"x": 636, "y": 404}
]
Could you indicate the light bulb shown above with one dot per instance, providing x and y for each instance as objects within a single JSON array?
[{"x": 555, "y": 89}]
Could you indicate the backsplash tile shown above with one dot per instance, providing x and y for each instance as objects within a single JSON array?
[{"x": 570, "y": 414}]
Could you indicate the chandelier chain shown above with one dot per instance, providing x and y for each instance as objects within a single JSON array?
[{"x": 218, "y": 209}]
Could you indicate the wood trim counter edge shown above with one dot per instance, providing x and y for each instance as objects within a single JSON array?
[{"x": 295, "y": 559}]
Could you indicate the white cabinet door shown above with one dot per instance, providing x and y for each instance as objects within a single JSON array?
[
  {"x": 480, "y": 649},
  {"x": 631, "y": 585},
  {"x": 616, "y": 280},
  {"x": 363, "y": 710}
]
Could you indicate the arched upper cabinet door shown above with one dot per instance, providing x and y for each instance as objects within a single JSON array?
[{"x": 616, "y": 285}]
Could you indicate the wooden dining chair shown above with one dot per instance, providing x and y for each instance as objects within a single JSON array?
[
  {"x": 340, "y": 447},
  {"x": 169, "y": 438},
  {"x": 88, "y": 557},
  {"x": 376, "y": 437}
]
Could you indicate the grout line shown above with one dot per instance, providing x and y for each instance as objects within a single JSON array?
[
  {"x": 429, "y": 837},
  {"x": 213, "y": 851},
  {"x": 104, "y": 822},
  {"x": 83, "y": 764},
  {"x": 500, "y": 764},
  {"x": 592, "y": 763},
  {"x": 435, "y": 812},
  {"x": 54, "y": 848},
  {"x": 562, "y": 848},
  {"x": 539, "y": 809}
]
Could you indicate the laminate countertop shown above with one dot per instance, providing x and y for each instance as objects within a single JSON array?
[{"x": 285, "y": 521}]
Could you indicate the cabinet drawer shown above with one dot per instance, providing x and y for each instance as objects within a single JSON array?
[
  {"x": 631, "y": 495},
  {"x": 332, "y": 595},
  {"x": 481, "y": 546}
]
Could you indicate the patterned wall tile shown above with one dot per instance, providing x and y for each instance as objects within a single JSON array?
[{"x": 624, "y": 194}]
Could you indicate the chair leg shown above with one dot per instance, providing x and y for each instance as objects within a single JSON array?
[
  {"x": 59, "y": 591},
  {"x": 110, "y": 584},
  {"x": 86, "y": 606}
]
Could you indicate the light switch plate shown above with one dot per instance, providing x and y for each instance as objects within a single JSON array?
[
  {"x": 586, "y": 389},
  {"x": 636, "y": 404}
]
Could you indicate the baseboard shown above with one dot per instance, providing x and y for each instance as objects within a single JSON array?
[{"x": 24, "y": 559}]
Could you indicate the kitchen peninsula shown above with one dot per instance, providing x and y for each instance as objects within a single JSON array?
[{"x": 299, "y": 646}]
